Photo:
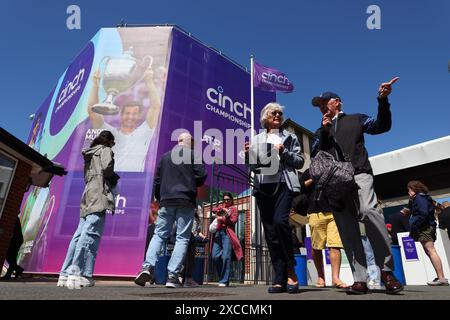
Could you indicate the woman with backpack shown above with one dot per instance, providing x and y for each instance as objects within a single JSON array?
[{"x": 423, "y": 226}]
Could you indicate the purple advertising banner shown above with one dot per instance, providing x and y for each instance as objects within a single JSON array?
[
  {"x": 209, "y": 96},
  {"x": 130, "y": 65},
  {"x": 269, "y": 79},
  {"x": 69, "y": 93},
  {"x": 409, "y": 246}
]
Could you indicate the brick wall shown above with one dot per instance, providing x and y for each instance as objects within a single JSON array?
[{"x": 12, "y": 207}]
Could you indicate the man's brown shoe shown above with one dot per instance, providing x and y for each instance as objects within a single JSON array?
[
  {"x": 393, "y": 286},
  {"x": 357, "y": 288}
]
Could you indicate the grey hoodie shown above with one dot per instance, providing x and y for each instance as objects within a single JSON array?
[{"x": 98, "y": 168}]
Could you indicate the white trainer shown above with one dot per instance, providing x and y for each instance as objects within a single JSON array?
[
  {"x": 73, "y": 282},
  {"x": 62, "y": 281},
  {"x": 438, "y": 282},
  {"x": 374, "y": 285}
]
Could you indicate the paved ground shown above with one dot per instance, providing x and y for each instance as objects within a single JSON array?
[{"x": 45, "y": 289}]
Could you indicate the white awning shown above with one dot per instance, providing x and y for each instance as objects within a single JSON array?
[{"x": 416, "y": 155}]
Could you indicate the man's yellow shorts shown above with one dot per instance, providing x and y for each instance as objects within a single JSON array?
[{"x": 324, "y": 231}]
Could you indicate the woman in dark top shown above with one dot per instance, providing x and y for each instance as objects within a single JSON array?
[
  {"x": 324, "y": 233},
  {"x": 13, "y": 251},
  {"x": 400, "y": 223},
  {"x": 423, "y": 226}
]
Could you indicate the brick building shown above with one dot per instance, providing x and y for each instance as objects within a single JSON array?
[{"x": 20, "y": 167}]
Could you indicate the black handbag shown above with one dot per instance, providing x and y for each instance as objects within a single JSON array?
[{"x": 334, "y": 177}]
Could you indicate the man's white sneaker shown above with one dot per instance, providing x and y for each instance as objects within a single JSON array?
[
  {"x": 146, "y": 275},
  {"x": 374, "y": 285},
  {"x": 62, "y": 281},
  {"x": 173, "y": 282}
]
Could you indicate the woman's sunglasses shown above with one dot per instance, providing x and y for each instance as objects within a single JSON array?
[{"x": 274, "y": 113}]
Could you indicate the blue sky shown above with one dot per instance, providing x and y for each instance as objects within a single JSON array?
[{"x": 321, "y": 45}]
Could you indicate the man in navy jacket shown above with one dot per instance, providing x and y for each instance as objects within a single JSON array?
[
  {"x": 347, "y": 130},
  {"x": 178, "y": 175}
]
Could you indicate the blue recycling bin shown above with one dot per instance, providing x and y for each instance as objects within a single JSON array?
[
  {"x": 161, "y": 265},
  {"x": 199, "y": 268},
  {"x": 199, "y": 271},
  {"x": 398, "y": 265},
  {"x": 163, "y": 261},
  {"x": 300, "y": 269}
]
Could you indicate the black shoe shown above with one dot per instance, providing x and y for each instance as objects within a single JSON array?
[
  {"x": 274, "y": 289},
  {"x": 18, "y": 272},
  {"x": 357, "y": 288},
  {"x": 173, "y": 282},
  {"x": 7, "y": 275},
  {"x": 393, "y": 286},
  {"x": 292, "y": 288},
  {"x": 146, "y": 275}
]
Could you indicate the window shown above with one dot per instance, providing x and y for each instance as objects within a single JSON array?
[
  {"x": 7, "y": 169},
  {"x": 240, "y": 226}
]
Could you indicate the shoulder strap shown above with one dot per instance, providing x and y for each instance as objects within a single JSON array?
[{"x": 340, "y": 156}]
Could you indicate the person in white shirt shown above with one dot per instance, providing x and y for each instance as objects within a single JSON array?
[{"x": 132, "y": 141}]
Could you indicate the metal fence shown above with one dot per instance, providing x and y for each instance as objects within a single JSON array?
[{"x": 255, "y": 267}]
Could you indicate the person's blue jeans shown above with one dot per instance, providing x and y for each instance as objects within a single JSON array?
[
  {"x": 82, "y": 252},
  {"x": 221, "y": 255},
  {"x": 372, "y": 268},
  {"x": 166, "y": 218}
]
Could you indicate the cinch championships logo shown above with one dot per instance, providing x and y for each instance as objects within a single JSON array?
[
  {"x": 227, "y": 107},
  {"x": 71, "y": 89}
]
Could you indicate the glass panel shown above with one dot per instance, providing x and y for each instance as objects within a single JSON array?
[{"x": 7, "y": 166}]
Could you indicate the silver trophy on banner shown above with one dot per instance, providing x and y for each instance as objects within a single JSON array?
[{"x": 120, "y": 74}]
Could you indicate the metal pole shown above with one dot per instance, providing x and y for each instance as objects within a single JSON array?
[
  {"x": 253, "y": 200},
  {"x": 211, "y": 191}
]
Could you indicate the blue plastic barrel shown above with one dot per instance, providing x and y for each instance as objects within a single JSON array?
[
  {"x": 163, "y": 261},
  {"x": 398, "y": 265},
  {"x": 301, "y": 270},
  {"x": 161, "y": 264},
  {"x": 161, "y": 269},
  {"x": 199, "y": 270}
]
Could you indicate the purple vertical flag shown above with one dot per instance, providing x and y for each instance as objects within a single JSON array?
[{"x": 268, "y": 79}]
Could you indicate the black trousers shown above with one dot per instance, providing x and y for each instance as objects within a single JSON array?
[
  {"x": 14, "y": 245},
  {"x": 274, "y": 212},
  {"x": 189, "y": 262}
]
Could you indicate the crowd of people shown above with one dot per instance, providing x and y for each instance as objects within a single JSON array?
[{"x": 350, "y": 219}]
